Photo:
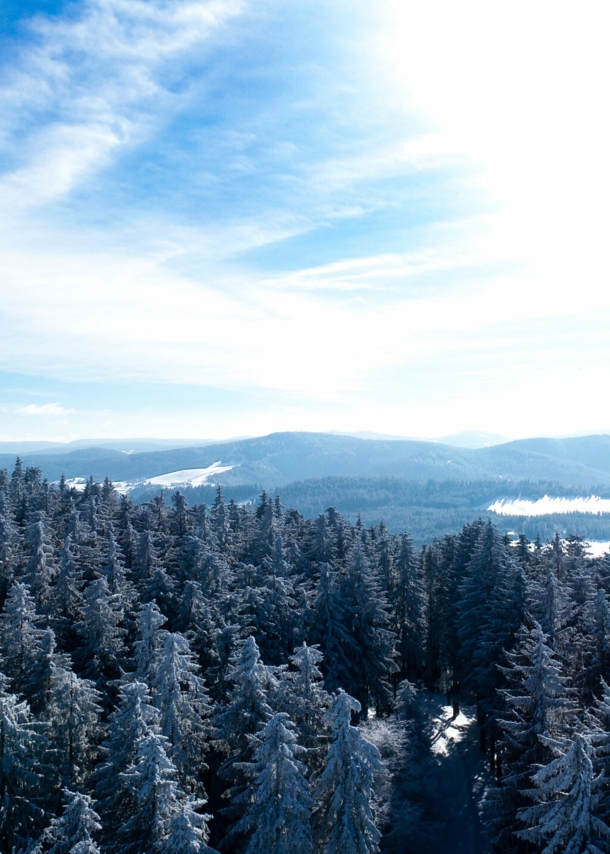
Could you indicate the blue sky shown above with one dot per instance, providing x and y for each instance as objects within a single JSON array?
[{"x": 228, "y": 217}]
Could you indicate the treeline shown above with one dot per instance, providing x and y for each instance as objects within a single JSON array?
[
  {"x": 175, "y": 677},
  {"x": 427, "y": 509}
]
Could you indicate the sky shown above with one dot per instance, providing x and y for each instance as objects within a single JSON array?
[{"x": 230, "y": 217}]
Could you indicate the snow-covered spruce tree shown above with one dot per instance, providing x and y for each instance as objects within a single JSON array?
[
  {"x": 102, "y": 631},
  {"x": 246, "y": 712},
  {"x": 553, "y": 608},
  {"x": 20, "y": 750},
  {"x": 329, "y": 630},
  {"x": 344, "y": 818},
  {"x": 278, "y": 616},
  {"x": 188, "y": 830},
  {"x": 155, "y": 582},
  {"x": 484, "y": 629},
  {"x": 148, "y": 641},
  {"x": 408, "y": 609},
  {"x": 133, "y": 719},
  {"x": 220, "y": 522},
  {"x": 200, "y": 623},
  {"x": 113, "y": 568},
  {"x": 305, "y": 701},
  {"x": 593, "y": 658},
  {"x": 214, "y": 572},
  {"x": 41, "y": 568},
  {"x": 182, "y": 699},
  {"x": 564, "y": 817},
  {"x": 9, "y": 547},
  {"x": 19, "y": 635},
  {"x": 38, "y": 690},
  {"x": 368, "y": 624},
  {"x": 277, "y": 805},
  {"x": 67, "y": 594},
  {"x": 74, "y": 729},
  {"x": 74, "y": 831},
  {"x": 538, "y": 702},
  {"x": 157, "y": 796}
]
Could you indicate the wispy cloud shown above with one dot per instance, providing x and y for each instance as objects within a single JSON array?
[
  {"x": 360, "y": 207},
  {"x": 93, "y": 84},
  {"x": 43, "y": 409}
]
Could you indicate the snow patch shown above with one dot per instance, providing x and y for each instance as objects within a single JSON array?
[
  {"x": 189, "y": 477},
  {"x": 450, "y": 730},
  {"x": 598, "y": 549},
  {"x": 543, "y": 506},
  {"x": 78, "y": 483}
]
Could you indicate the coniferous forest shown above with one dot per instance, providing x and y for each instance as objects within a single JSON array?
[{"x": 180, "y": 680}]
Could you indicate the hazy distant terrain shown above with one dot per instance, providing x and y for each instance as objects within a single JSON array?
[
  {"x": 282, "y": 458},
  {"x": 425, "y": 487}
]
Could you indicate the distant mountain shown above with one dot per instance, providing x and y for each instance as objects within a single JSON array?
[
  {"x": 128, "y": 446},
  {"x": 281, "y": 458},
  {"x": 472, "y": 439}
]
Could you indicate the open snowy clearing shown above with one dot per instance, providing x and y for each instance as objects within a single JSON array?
[
  {"x": 189, "y": 477},
  {"x": 184, "y": 477},
  {"x": 543, "y": 506},
  {"x": 457, "y": 778},
  {"x": 450, "y": 730}
]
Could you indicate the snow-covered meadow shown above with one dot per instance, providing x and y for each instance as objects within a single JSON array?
[{"x": 544, "y": 506}]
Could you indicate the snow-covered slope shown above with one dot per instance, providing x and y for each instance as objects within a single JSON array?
[{"x": 189, "y": 477}]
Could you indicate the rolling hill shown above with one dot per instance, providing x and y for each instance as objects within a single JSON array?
[{"x": 282, "y": 458}]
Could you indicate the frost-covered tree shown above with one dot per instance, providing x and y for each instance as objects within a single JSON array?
[
  {"x": 148, "y": 641},
  {"x": 368, "y": 624},
  {"x": 20, "y": 773},
  {"x": 330, "y": 629},
  {"x": 539, "y": 703},
  {"x": 102, "y": 631},
  {"x": 187, "y": 830},
  {"x": 74, "y": 831},
  {"x": 408, "y": 609},
  {"x": 133, "y": 719},
  {"x": 277, "y": 805},
  {"x": 276, "y": 615},
  {"x": 552, "y": 606},
  {"x": 565, "y": 815},
  {"x": 73, "y": 719},
  {"x": 180, "y": 695},
  {"x": 41, "y": 568},
  {"x": 489, "y": 613},
  {"x": 343, "y": 791},
  {"x": 115, "y": 572},
  {"x": 304, "y": 699},
  {"x": 44, "y": 669},
  {"x": 19, "y": 635},
  {"x": 67, "y": 593},
  {"x": 248, "y": 708},
  {"x": 249, "y": 705},
  {"x": 9, "y": 547},
  {"x": 153, "y": 782}
]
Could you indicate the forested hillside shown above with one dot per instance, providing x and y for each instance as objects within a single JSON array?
[
  {"x": 426, "y": 509},
  {"x": 282, "y": 458},
  {"x": 180, "y": 679}
]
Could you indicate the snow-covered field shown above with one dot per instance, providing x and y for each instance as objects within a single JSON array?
[
  {"x": 184, "y": 477},
  {"x": 189, "y": 477},
  {"x": 543, "y": 506}
]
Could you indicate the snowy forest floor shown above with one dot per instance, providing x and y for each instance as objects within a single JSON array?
[{"x": 449, "y": 775}]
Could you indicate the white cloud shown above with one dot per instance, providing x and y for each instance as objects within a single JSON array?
[
  {"x": 518, "y": 91},
  {"x": 518, "y": 106},
  {"x": 110, "y": 96},
  {"x": 43, "y": 409}
]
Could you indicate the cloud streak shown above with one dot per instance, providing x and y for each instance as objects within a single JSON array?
[
  {"x": 381, "y": 211},
  {"x": 97, "y": 83}
]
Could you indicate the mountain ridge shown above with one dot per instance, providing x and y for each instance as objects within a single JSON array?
[{"x": 283, "y": 457}]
